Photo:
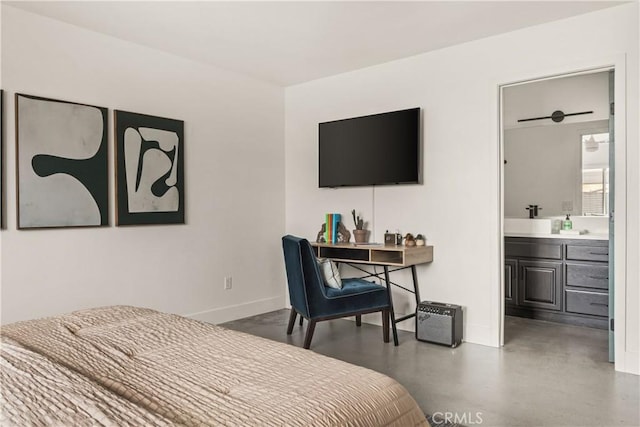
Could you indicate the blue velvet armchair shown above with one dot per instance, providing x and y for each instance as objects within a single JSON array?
[{"x": 316, "y": 302}]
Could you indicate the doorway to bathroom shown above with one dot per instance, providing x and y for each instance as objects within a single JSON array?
[{"x": 558, "y": 197}]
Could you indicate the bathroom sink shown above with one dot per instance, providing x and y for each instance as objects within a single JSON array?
[{"x": 528, "y": 226}]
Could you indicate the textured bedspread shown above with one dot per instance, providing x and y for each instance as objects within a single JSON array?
[
  {"x": 37, "y": 392},
  {"x": 194, "y": 373}
]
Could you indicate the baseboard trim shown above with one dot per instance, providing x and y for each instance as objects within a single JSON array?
[
  {"x": 239, "y": 311},
  {"x": 473, "y": 333},
  {"x": 631, "y": 363}
]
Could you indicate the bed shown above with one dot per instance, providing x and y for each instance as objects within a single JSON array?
[{"x": 162, "y": 369}]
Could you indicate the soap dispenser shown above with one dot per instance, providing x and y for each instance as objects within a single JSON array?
[{"x": 567, "y": 224}]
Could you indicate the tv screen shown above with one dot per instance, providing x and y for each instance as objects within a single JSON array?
[{"x": 380, "y": 149}]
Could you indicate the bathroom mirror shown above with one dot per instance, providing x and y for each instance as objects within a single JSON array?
[{"x": 562, "y": 168}]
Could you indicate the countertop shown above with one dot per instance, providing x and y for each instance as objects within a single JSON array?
[{"x": 588, "y": 236}]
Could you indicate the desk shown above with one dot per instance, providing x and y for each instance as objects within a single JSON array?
[{"x": 400, "y": 257}]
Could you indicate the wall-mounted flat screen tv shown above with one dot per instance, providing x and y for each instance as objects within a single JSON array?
[{"x": 380, "y": 149}]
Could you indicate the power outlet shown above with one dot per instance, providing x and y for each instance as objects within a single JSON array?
[{"x": 228, "y": 283}]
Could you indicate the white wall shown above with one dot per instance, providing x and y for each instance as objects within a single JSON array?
[
  {"x": 579, "y": 93},
  {"x": 458, "y": 206},
  {"x": 234, "y": 174}
]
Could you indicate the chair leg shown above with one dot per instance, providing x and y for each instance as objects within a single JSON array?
[
  {"x": 358, "y": 320},
  {"x": 292, "y": 320},
  {"x": 307, "y": 338},
  {"x": 385, "y": 325}
]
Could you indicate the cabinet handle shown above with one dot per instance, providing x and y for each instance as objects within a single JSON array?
[
  {"x": 598, "y": 253},
  {"x": 599, "y": 277},
  {"x": 599, "y": 303}
]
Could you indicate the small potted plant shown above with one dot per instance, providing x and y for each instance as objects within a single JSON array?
[{"x": 359, "y": 234}]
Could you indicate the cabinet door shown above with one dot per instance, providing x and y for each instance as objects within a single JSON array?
[
  {"x": 539, "y": 284},
  {"x": 510, "y": 281}
]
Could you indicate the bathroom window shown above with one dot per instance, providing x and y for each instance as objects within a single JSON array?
[
  {"x": 595, "y": 191},
  {"x": 595, "y": 174}
]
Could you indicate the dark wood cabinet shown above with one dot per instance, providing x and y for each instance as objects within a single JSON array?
[
  {"x": 511, "y": 281},
  {"x": 587, "y": 275},
  {"x": 539, "y": 284},
  {"x": 532, "y": 249},
  {"x": 587, "y": 302},
  {"x": 587, "y": 252},
  {"x": 559, "y": 280}
]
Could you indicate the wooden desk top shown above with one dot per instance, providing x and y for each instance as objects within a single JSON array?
[{"x": 399, "y": 256}]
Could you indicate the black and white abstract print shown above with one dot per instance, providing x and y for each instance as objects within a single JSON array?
[
  {"x": 149, "y": 171},
  {"x": 61, "y": 163}
]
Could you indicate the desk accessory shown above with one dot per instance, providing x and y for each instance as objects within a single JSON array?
[
  {"x": 331, "y": 227},
  {"x": 392, "y": 239},
  {"x": 409, "y": 240},
  {"x": 389, "y": 238},
  {"x": 342, "y": 234},
  {"x": 359, "y": 234}
]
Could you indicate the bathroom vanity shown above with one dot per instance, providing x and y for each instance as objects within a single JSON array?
[{"x": 558, "y": 279}]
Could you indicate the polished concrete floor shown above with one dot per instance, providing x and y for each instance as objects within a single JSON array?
[{"x": 546, "y": 374}]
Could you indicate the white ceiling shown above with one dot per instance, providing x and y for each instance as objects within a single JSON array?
[{"x": 292, "y": 42}]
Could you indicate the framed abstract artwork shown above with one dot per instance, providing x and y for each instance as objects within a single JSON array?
[
  {"x": 149, "y": 169},
  {"x": 61, "y": 163}
]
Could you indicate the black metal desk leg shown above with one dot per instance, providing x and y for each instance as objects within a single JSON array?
[
  {"x": 391, "y": 310},
  {"x": 416, "y": 289}
]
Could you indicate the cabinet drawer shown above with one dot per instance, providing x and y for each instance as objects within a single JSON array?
[
  {"x": 533, "y": 250},
  {"x": 588, "y": 253},
  {"x": 584, "y": 302},
  {"x": 588, "y": 275}
]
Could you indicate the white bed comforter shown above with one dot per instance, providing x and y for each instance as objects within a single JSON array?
[{"x": 194, "y": 373}]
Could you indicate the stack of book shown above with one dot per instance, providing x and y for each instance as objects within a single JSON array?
[{"x": 332, "y": 220}]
